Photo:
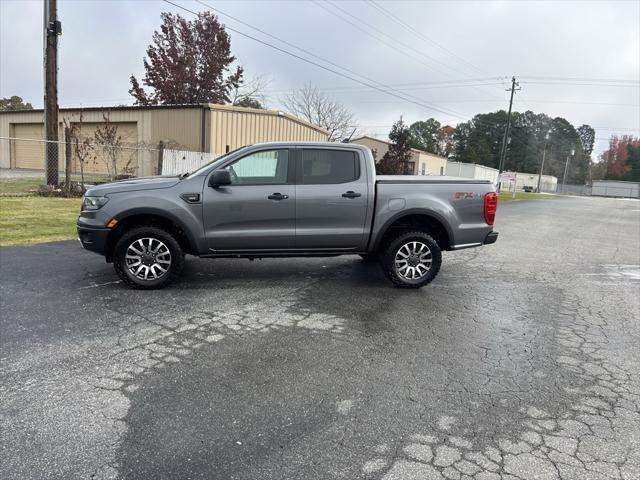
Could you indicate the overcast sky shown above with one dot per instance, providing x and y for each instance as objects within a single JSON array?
[{"x": 471, "y": 47}]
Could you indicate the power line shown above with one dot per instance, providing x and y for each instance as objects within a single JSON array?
[
  {"x": 581, "y": 79},
  {"x": 387, "y": 13},
  {"x": 584, "y": 84},
  {"x": 387, "y": 86},
  {"x": 311, "y": 62},
  {"x": 585, "y": 103},
  {"x": 364, "y": 90},
  {"x": 375, "y": 85},
  {"x": 380, "y": 32},
  {"x": 443, "y": 83},
  {"x": 289, "y": 44},
  {"x": 372, "y": 27},
  {"x": 629, "y": 129},
  {"x": 420, "y": 34},
  {"x": 296, "y": 47}
]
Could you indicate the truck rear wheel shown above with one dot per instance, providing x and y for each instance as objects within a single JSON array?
[
  {"x": 411, "y": 260},
  {"x": 148, "y": 258}
]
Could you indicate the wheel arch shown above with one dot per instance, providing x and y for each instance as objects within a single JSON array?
[
  {"x": 422, "y": 220},
  {"x": 150, "y": 217}
]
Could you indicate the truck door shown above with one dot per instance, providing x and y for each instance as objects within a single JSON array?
[
  {"x": 331, "y": 198},
  {"x": 257, "y": 211}
]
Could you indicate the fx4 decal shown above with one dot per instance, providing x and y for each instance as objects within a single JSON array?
[{"x": 466, "y": 195}]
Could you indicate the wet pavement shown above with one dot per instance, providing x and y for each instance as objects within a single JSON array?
[{"x": 520, "y": 361}]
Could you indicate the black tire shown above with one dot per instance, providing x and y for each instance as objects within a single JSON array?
[
  {"x": 388, "y": 259},
  {"x": 369, "y": 257},
  {"x": 144, "y": 233}
]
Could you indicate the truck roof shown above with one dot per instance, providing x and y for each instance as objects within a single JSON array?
[{"x": 351, "y": 146}]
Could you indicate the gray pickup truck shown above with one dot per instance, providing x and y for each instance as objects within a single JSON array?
[{"x": 286, "y": 200}]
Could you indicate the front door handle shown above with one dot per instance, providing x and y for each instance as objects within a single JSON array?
[
  {"x": 277, "y": 196},
  {"x": 351, "y": 194}
]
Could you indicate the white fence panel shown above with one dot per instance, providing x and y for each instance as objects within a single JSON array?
[
  {"x": 612, "y": 188},
  {"x": 175, "y": 162}
]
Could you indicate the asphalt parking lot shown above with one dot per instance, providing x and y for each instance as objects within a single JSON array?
[{"x": 521, "y": 361}]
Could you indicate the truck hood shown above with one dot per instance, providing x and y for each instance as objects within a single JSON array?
[{"x": 129, "y": 185}]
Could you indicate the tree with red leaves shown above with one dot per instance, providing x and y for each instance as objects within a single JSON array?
[
  {"x": 188, "y": 62},
  {"x": 619, "y": 166}
]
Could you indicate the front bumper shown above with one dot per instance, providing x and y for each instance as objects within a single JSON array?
[
  {"x": 492, "y": 237},
  {"x": 93, "y": 238}
]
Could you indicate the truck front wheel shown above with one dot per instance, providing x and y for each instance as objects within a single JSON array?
[
  {"x": 147, "y": 258},
  {"x": 411, "y": 260}
]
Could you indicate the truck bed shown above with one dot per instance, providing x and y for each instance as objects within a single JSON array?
[{"x": 413, "y": 179}]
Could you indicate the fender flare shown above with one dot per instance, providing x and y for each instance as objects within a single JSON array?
[
  {"x": 409, "y": 212},
  {"x": 193, "y": 244}
]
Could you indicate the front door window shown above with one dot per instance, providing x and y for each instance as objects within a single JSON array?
[{"x": 268, "y": 167}]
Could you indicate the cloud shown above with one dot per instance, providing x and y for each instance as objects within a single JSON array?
[{"x": 104, "y": 42}]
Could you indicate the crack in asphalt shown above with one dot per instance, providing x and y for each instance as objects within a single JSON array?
[
  {"x": 171, "y": 338},
  {"x": 598, "y": 437},
  {"x": 580, "y": 351}
]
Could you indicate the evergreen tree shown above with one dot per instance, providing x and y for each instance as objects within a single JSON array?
[{"x": 396, "y": 160}]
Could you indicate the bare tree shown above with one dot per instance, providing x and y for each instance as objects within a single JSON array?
[
  {"x": 316, "y": 107},
  {"x": 108, "y": 143},
  {"x": 250, "y": 93},
  {"x": 82, "y": 146}
]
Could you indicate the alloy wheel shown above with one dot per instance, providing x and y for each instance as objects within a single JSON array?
[
  {"x": 148, "y": 259},
  {"x": 413, "y": 260}
]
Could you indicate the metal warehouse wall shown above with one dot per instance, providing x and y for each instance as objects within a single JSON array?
[
  {"x": 380, "y": 146},
  {"x": 433, "y": 164},
  {"x": 207, "y": 128},
  {"x": 141, "y": 129},
  {"x": 234, "y": 127}
]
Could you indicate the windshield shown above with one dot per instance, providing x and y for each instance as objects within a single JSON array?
[{"x": 213, "y": 162}]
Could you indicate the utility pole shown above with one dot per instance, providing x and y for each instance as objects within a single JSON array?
[
  {"x": 566, "y": 166},
  {"x": 52, "y": 28},
  {"x": 544, "y": 153},
  {"x": 503, "y": 150}
]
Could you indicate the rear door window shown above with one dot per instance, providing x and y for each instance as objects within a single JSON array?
[{"x": 325, "y": 166}]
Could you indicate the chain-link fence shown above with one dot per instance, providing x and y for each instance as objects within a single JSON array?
[
  {"x": 78, "y": 159},
  {"x": 568, "y": 189}
]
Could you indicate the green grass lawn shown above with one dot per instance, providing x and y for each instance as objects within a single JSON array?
[
  {"x": 20, "y": 186},
  {"x": 26, "y": 219},
  {"x": 29, "y": 220},
  {"x": 508, "y": 196},
  {"x": 29, "y": 185}
]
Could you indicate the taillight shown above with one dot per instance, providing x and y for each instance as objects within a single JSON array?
[{"x": 490, "y": 207}]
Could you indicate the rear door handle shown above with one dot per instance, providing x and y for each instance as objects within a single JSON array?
[
  {"x": 351, "y": 194},
  {"x": 277, "y": 196}
]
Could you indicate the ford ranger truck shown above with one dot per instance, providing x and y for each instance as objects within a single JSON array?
[{"x": 286, "y": 200}]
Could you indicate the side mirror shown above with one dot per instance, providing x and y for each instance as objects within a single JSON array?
[{"x": 220, "y": 178}]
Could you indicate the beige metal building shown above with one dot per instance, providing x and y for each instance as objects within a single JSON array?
[
  {"x": 422, "y": 163},
  {"x": 145, "y": 131}
]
